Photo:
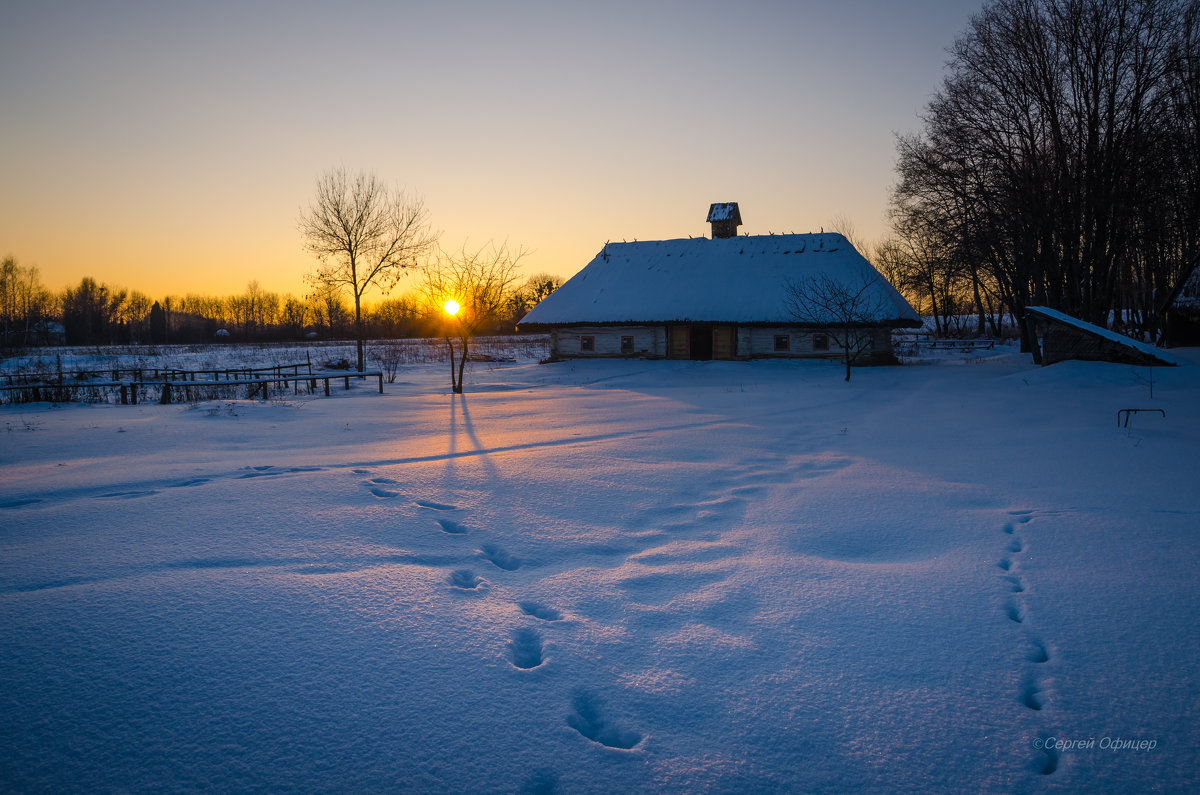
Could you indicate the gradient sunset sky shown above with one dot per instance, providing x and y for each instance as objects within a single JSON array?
[{"x": 169, "y": 147}]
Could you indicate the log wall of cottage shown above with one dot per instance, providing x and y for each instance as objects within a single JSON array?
[
  {"x": 648, "y": 341},
  {"x": 748, "y": 342}
]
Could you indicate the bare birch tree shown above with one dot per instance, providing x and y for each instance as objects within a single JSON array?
[{"x": 365, "y": 234}]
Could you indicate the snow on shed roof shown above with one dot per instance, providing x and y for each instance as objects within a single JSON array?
[
  {"x": 732, "y": 280},
  {"x": 1099, "y": 331},
  {"x": 1188, "y": 296}
]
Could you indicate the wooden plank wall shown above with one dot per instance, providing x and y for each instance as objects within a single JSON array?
[
  {"x": 649, "y": 341},
  {"x": 730, "y": 342}
]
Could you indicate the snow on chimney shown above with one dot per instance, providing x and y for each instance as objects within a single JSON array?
[{"x": 725, "y": 219}]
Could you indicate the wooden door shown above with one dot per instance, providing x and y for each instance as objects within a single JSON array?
[
  {"x": 723, "y": 342},
  {"x": 678, "y": 348}
]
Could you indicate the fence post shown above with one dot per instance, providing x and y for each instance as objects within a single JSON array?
[
  {"x": 326, "y": 386},
  {"x": 165, "y": 398},
  {"x": 381, "y": 382}
]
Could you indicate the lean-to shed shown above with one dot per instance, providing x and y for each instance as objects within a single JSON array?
[{"x": 1065, "y": 338}]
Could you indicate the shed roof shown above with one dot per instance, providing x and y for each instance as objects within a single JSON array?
[
  {"x": 1187, "y": 296},
  {"x": 735, "y": 280},
  {"x": 1140, "y": 348}
]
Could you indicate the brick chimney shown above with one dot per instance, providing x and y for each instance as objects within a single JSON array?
[{"x": 725, "y": 219}]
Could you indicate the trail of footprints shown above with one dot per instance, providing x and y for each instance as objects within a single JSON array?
[
  {"x": 526, "y": 649},
  {"x": 1030, "y": 693}
]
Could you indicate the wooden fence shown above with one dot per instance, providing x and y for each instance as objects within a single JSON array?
[
  {"x": 174, "y": 390},
  {"x": 116, "y": 374}
]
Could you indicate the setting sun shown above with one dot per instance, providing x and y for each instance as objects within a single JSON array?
[{"x": 451, "y": 306}]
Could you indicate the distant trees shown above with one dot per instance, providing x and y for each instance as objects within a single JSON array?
[
  {"x": 365, "y": 234},
  {"x": 535, "y": 289},
  {"x": 96, "y": 314},
  {"x": 482, "y": 284},
  {"x": 1059, "y": 163},
  {"x": 25, "y": 304}
]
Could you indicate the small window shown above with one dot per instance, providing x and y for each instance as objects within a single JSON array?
[
  {"x": 587, "y": 343},
  {"x": 783, "y": 342},
  {"x": 820, "y": 342},
  {"x": 626, "y": 344}
]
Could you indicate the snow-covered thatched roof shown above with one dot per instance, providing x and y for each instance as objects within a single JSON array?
[{"x": 737, "y": 280}]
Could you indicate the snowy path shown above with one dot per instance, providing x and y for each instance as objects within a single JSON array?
[{"x": 610, "y": 577}]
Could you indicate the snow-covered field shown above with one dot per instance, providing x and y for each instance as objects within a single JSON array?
[{"x": 612, "y": 576}]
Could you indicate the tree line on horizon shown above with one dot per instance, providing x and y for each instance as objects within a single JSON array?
[{"x": 96, "y": 313}]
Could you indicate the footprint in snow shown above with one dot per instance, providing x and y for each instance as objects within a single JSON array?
[
  {"x": 526, "y": 648},
  {"x": 127, "y": 495},
  {"x": 540, "y": 611},
  {"x": 1038, "y": 653},
  {"x": 186, "y": 483},
  {"x": 436, "y": 506},
  {"x": 271, "y": 471},
  {"x": 451, "y": 527},
  {"x": 1031, "y": 695},
  {"x": 499, "y": 558},
  {"x": 587, "y": 719},
  {"x": 1047, "y": 762},
  {"x": 19, "y": 502},
  {"x": 1014, "y": 584},
  {"x": 465, "y": 579},
  {"x": 382, "y": 493}
]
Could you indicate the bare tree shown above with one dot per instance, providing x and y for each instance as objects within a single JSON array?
[
  {"x": 846, "y": 228},
  {"x": 294, "y": 315},
  {"x": 365, "y": 234},
  {"x": 848, "y": 311},
  {"x": 1057, "y": 162},
  {"x": 24, "y": 302},
  {"x": 535, "y": 289},
  {"x": 470, "y": 290}
]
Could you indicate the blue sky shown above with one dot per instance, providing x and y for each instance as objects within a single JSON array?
[{"x": 169, "y": 147}]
